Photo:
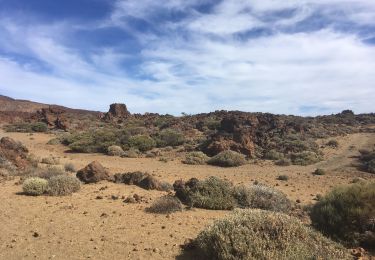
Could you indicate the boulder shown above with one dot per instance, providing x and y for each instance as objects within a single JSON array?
[
  {"x": 14, "y": 152},
  {"x": 92, "y": 173},
  {"x": 117, "y": 112}
]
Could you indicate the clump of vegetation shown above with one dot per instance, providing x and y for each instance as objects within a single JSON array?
[
  {"x": 367, "y": 159},
  {"x": 273, "y": 155},
  {"x": 196, "y": 158},
  {"x": 49, "y": 172},
  {"x": 165, "y": 205},
  {"x": 333, "y": 143},
  {"x": 305, "y": 158},
  {"x": 115, "y": 150},
  {"x": 347, "y": 214},
  {"x": 258, "y": 234},
  {"x": 27, "y": 127},
  {"x": 69, "y": 167},
  {"x": 283, "y": 177},
  {"x": 54, "y": 141},
  {"x": 170, "y": 137},
  {"x": 319, "y": 171},
  {"x": 261, "y": 197},
  {"x": 131, "y": 153},
  {"x": 35, "y": 186},
  {"x": 142, "y": 142},
  {"x": 50, "y": 160},
  {"x": 212, "y": 193},
  {"x": 63, "y": 185},
  {"x": 283, "y": 162},
  {"x": 228, "y": 159}
]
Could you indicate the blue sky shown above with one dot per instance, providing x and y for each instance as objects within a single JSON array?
[{"x": 303, "y": 57}]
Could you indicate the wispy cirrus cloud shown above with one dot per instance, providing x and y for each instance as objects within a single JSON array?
[{"x": 302, "y": 57}]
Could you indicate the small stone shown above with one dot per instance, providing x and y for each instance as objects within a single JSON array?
[{"x": 36, "y": 234}]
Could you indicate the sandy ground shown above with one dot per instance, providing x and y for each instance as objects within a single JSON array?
[{"x": 83, "y": 227}]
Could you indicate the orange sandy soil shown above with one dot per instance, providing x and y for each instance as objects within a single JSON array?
[{"x": 83, "y": 227}]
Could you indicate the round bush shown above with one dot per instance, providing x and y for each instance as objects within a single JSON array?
[
  {"x": 142, "y": 142},
  {"x": 35, "y": 186},
  {"x": 170, "y": 137},
  {"x": 228, "y": 159},
  {"x": 258, "y": 234},
  {"x": 165, "y": 205},
  {"x": 347, "y": 214},
  {"x": 63, "y": 185},
  {"x": 305, "y": 158},
  {"x": 115, "y": 150},
  {"x": 261, "y": 197},
  {"x": 69, "y": 167},
  {"x": 283, "y": 162},
  {"x": 196, "y": 158}
]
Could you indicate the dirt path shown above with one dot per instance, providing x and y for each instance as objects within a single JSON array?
[{"x": 83, "y": 227}]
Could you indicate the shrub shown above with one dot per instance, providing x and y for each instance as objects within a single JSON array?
[
  {"x": 115, "y": 150},
  {"x": 69, "y": 167},
  {"x": 333, "y": 143},
  {"x": 258, "y": 234},
  {"x": 283, "y": 177},
  {"x": 283, "y": 162},
  {"x": 35, "y": 186},
  {"x": 227, "y": 159},
  {"x": 165, "y": 205},
  {"x": 142, "y": 142},
  {"x": 261, "y": 197},
  {"x": 212, "y": 193},
  {"x": 131, "y": 153},
  {"x": 54, "y": 141},
  {"x": 305, "y": 158},
  {"x": 49, "y": 172},
  {"x": 39, "y": 127},
  {"x": 27, "y": 127},
  {"x": 368, "y": 160},
  {"x": 170, "y": 137},
  {"x": 63, "y": 185},
  {"x": 273, "y": 155},
  {"x": 319, "y": 172},
  {"x": 347, "y": 213},
  {"x": 196, "y": 158},
  {"x": 50, "y": 160}
]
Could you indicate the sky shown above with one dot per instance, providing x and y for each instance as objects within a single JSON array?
[{"x": 303, "y": 57}]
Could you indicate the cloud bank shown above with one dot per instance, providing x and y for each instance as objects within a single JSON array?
[{"x": 302, "y": 57}]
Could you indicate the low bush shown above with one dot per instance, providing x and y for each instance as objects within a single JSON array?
[
  {"x": 35, "y": 186},
  {"x": 142, "y": 142},
  {"x": 212, "y": 193},
  {"x": 49, "y": 172},
  {"x": 333, "y": 143},
  {"x": 283, "y": 162},
  {"x": 282, "y": 177},
  {"x": 319, "y": 171},
  {"x": 367, "y": 159},
  {"x": 54, "y": 141},
  {"x": 131, "y": 153},
  {"x": 228, "y": 159},
  {"x": 27, "y": 127},
  {"x": 196, "y": 158},
  {"x": 115, "y": 150},
  {"x": 305, "y": 158},
  {"x": 63, "y": 185},
  {"x": 50, "y": 160},
  {"x": 69, "y": 167},
  {"x": 258, "y": 234},
  {"x": 170, "y": 137},
  {"x": 165, "y": 205},
  {"x": 261, "y": 197},
  {"x": 347, "y": 214},
  {"x": 273, "y": 155}
]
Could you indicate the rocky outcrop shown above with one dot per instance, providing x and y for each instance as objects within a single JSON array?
[
  {"x": 92, "y": 173},
  {"x": 117, "y": 112},
  {"x": 54, "y": 117},
  {"x": 143, "y": 180},
  {"x": 14, "y": 152}
]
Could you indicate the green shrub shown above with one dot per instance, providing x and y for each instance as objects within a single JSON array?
[
  {"x": 258, "y": 234},
  {"x": 115, "y": 150},
  {"x": 39, "y": 127},
  {"x": 142, "y": 142},
  {"x": 26, "y": 127},
  {"x": 261, "y": 197},
  {"x": 212, "y": 193},
  {"x": 165, "y": 205},
  {"x": 282, "y": 177},
  {"x": 305, "y": 158},
  {"x": 273, "y": 155},
  {"x": 283, "y": 162},
  {"x": 69, "y": 167},
  {"x": 170, "y": 137},
  {"x": 371, "y": 166},
  {"x": 54, "y": 141},
  {"x": 227, "y": 159},
  {"x": 50, "y": 160},
  {"x": 347, "y": 214},
  {"x": 131, "y": 153},
  {"x": 368, "y": 160},
  {"x": 319, "y": 171},
  {"x": 196, "y": 158},
  {"x": 35, "y": 186},
  {"x": 333, "y": 143},
  {"x": 49, "y": 172},
  {"x": 63, "y": 185}
]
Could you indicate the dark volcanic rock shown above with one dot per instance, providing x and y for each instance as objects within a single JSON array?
[
  {"x": 14, "y": 152},
  {"x": 117, "y": 111},
  {"x": 94, "y": 172},
  {"x": 54, "y": 117}
]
